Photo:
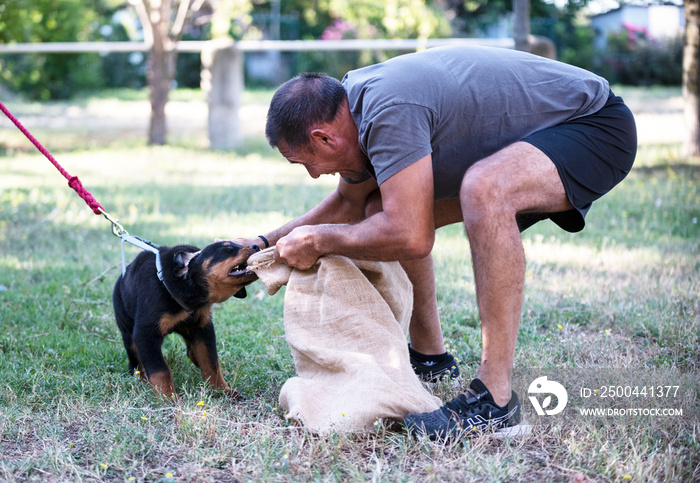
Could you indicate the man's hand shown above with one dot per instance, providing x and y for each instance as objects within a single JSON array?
[{"x": 298, "y": 249}]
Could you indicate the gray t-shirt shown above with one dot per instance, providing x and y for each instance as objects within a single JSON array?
[{"x": 462, "y": 104}]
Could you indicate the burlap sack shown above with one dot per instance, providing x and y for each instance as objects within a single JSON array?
[{"x": 346, "y": 323}]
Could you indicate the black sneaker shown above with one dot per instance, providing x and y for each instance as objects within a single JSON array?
[
  {"x": 472, "y": 411},
  {"x": 433, "y": 368}
]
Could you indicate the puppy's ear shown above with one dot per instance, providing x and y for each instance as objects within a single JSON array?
[
  {"x": 241, "y": 294},
  {"x": 180, "y": 267},
  {"x": 181, "y": 263}
]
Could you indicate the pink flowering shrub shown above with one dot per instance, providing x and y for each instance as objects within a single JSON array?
[{"x": 633, "y": 57}]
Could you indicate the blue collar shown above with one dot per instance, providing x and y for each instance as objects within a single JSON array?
[{"x": 153, "y": 248}]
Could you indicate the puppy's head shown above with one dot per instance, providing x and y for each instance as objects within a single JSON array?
[{"x": 221, "y": 267}]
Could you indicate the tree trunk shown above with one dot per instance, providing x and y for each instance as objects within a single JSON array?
[
  {"x": 161, "y": 70},
  {"x": 160, "y": 77},
  {"x": 158, "y": 84},
  {"x": 691, "y": 78}
]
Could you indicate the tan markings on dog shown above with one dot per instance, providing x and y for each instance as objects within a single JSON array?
[
  {"x": 162, "y": 383},
  {"x": 205, "y": 315},
  {"x": 210, "y": 373},
  {"x": 190, "y": 353},
  {"x": 221, "y": 286},
  {"x": 168, "y": 321}
]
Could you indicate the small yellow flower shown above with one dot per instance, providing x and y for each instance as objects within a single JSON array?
[
  {"x": 200, "y": 403},
  {"x": 607, "y": 331},
  {"x": 204, "y": 413},
  {"x": 204, "y": 418},
  {"x": 559, "y": 326},
  {"x": 144, "y": 418},
  {"x": 103, "y": 466},
  {"x": 169, "y": 475},
  {"x": 285, "y": 456},
  {"x": 138, "y": 372},
  {"x": 627, "y": 477},
  {"x": 131, "y": 478},
  {"x": 343, "y": 414}
]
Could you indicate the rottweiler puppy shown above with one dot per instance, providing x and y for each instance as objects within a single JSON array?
[{"x": 154, "y": 298}]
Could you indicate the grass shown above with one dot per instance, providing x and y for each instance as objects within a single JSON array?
[{"x": 620, "y": 296}]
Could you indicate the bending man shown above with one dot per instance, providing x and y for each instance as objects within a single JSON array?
[{"x": 493, "y": 138}]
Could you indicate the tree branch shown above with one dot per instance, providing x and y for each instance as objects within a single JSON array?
[
  {"x": 143, "y": 10},
  {"x": 180, "y": 19}
]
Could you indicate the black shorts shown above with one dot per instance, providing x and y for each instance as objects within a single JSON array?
[{"x": 592, "y": 154}]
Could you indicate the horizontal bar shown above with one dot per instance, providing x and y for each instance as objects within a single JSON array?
[{"x": 252, "y": 45}]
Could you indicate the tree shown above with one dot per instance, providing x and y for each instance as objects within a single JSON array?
[
  {"x": 691, "y": 78},
  {"x": 49, "y": 76},
  {"x": 164, "y": 22}
]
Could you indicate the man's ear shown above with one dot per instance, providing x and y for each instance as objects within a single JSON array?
[{"x": 323, "y": 137}]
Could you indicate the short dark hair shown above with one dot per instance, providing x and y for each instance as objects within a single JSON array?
[{"x": 300, "y": 103}]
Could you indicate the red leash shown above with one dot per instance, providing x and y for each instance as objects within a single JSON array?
[{"x": 73, "y": 181}]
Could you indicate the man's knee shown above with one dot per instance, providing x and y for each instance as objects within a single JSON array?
[
  {"x": 517, "y": 179},
  {"x": 482, "y": 195}
]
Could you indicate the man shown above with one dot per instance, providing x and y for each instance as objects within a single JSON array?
[{"x": 493, "y": 138}]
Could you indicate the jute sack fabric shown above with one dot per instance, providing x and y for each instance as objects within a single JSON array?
[{"x": 346, "y": 323}]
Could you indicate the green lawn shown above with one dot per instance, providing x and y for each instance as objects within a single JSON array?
[{"x": 619, "y": 299}]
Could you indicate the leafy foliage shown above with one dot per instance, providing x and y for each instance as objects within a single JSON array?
[
  {"x": 569, "y": 31},
  {"x": 43, "y": 76},
  {"x": 634, "y": 58},
  {"x": 359, "y": 19}
]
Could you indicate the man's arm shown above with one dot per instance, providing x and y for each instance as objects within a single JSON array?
[
  {"x": 404, "y": 229},
  {"x": 346, "y": 204}
]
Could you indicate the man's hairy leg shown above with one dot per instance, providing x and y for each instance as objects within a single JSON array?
[
  {"x": 517, "y": 179},
  {"x": 499, "y": 271},
  {"x": 425, "y": 329}
]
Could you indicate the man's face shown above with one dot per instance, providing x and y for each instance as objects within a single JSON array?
[{"x": 323, "y": 160}]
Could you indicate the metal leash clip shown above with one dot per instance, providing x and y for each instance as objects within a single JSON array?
[{"x": 117, "y": 229}]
